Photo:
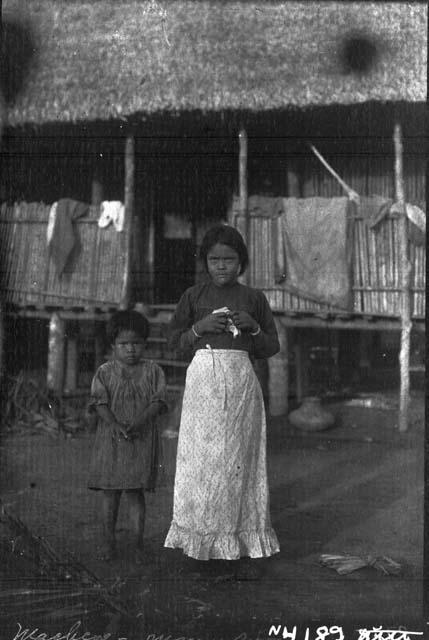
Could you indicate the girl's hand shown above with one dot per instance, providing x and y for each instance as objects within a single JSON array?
[
  {"x": 119, "y": 431},
  {"x": 212, "y": 323},
  {"x": 132, "y": 433},
  {"x": 244, "y": 321},
  {"x": 136, "y": 430}
]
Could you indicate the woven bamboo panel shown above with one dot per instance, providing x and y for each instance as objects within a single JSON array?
[
  {"x": 93, "y": 275},
  {"x": 376, "y": 280},
  {"x": 418, "y": 262},
  {"x": 377, "y": 277}
]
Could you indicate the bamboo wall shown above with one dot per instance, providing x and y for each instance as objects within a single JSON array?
[
  {"x": 194, "y": 176},
  {"x": 376, "y": 269},
  {"x": 93, "y": 276},
  {"x": 376, "y": 278}
]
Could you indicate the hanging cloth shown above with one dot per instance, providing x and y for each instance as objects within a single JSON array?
[
  {"x": 61, "y": 236},
  {"x": 417, "y": 218},
  {"x": 112, "y": 211},
  {"x": 374, "y": 209},
  {"x": 313, "y": 254}
]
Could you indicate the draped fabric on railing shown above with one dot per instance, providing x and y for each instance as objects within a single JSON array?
[{"x": 374, "y": 273}]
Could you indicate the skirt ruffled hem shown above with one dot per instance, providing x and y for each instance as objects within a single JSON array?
[{"x": 223, "y": 546}]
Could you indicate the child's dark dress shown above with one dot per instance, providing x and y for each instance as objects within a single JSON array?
[{"x": 118, "y": 463}]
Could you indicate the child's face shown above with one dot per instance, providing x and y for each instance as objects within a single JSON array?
[
  {"x": 223, "y": 264},
  {"x": 128, "y": 347}
]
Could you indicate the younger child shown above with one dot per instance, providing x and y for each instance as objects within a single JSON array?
[{"x": 128, "y": 393}]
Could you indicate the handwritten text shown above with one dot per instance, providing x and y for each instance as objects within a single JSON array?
[{"x": 36, "y": 634}]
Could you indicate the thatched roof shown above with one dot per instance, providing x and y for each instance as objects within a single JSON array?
[{"x": 106, "y": 59}]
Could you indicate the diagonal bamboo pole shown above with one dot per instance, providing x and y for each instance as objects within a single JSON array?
[
  {"x": 405, "y": 270},
  {"x": 350, "y": 192}
]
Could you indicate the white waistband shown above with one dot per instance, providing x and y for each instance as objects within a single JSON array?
[{"x": 222, "y": 352}]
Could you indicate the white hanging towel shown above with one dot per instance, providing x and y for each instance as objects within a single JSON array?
[
  {"x": 112, "y": 211},
  {"x": 51, "y": 222}
]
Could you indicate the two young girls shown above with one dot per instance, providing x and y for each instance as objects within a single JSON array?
[{"x": 221, "y": 497}]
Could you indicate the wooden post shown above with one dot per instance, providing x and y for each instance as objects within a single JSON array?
[
  {"x": 55, "y": 376},
  {"x": 404, "y": 354},
  {"x": 365, "y": 351},
  {"x": 243, "y": 193},
  {"x": 298, "y": 369},
  {"x": 2, "y": 364},
  {"x": 150, "y": 231},
  {"x": 99, "y": 349},
  {"x": 302, "y": 363},
  {"x": 278, "y": 366},
  {"x": 129, "y": 214},
  {"x": 96, "y": 189},
  {"x": 72, "y": 363},
  {"x": 293, "y": 189},
  {"x": 2, "y": 341}
]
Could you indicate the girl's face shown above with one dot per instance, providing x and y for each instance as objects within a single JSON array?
[
  {"x": 223, "y": 264},
  {"x": 128, "y": 347}
]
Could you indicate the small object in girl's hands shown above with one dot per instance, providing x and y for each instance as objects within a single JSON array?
[{"x": 230, "y": 324}]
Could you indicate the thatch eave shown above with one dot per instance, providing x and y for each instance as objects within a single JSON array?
[{"x": 117, "y": 60}]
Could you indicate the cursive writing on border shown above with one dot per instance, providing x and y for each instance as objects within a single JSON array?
[{"x": 71, "y": 634}]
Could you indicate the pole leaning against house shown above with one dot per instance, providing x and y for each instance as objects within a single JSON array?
[
  {"x": 405, "y": 270},
  {"x": 129, "y": 214}
]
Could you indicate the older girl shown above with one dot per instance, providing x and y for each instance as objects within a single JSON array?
[{"x": 221, "y": 498}]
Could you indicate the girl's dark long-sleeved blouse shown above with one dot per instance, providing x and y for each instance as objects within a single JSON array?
[{"x": 202, "y": 299}]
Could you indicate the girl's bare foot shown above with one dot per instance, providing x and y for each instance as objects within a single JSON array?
[{"x": 247, "y": 570}]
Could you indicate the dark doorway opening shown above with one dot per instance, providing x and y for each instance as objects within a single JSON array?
[{"x": 175, "y": 270}]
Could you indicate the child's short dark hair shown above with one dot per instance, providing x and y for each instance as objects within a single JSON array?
[
  {"x": 127, "y": 321},
  {"x": 224, "y": 234}
]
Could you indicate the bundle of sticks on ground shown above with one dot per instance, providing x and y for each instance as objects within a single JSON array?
[
  {"x": 29, "y": 405},
  {"x": 45, "y": 584}
]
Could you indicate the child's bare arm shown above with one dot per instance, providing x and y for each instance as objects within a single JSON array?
[
  {"x": 143, "y": 419},
  {"x": 107, "y": 416}
]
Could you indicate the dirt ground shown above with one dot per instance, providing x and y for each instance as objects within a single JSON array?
[{"x": 357, "y": 488}]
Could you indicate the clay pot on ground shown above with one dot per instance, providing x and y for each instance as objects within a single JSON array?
[{"x": 311, "y": 416}]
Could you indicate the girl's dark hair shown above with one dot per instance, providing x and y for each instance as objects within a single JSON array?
[
  {"x": 224, "y": 234},
  {"x": 127, "y": 321}
]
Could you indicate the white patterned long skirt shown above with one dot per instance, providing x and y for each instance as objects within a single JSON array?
[{"x": 221, "y": 497}]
